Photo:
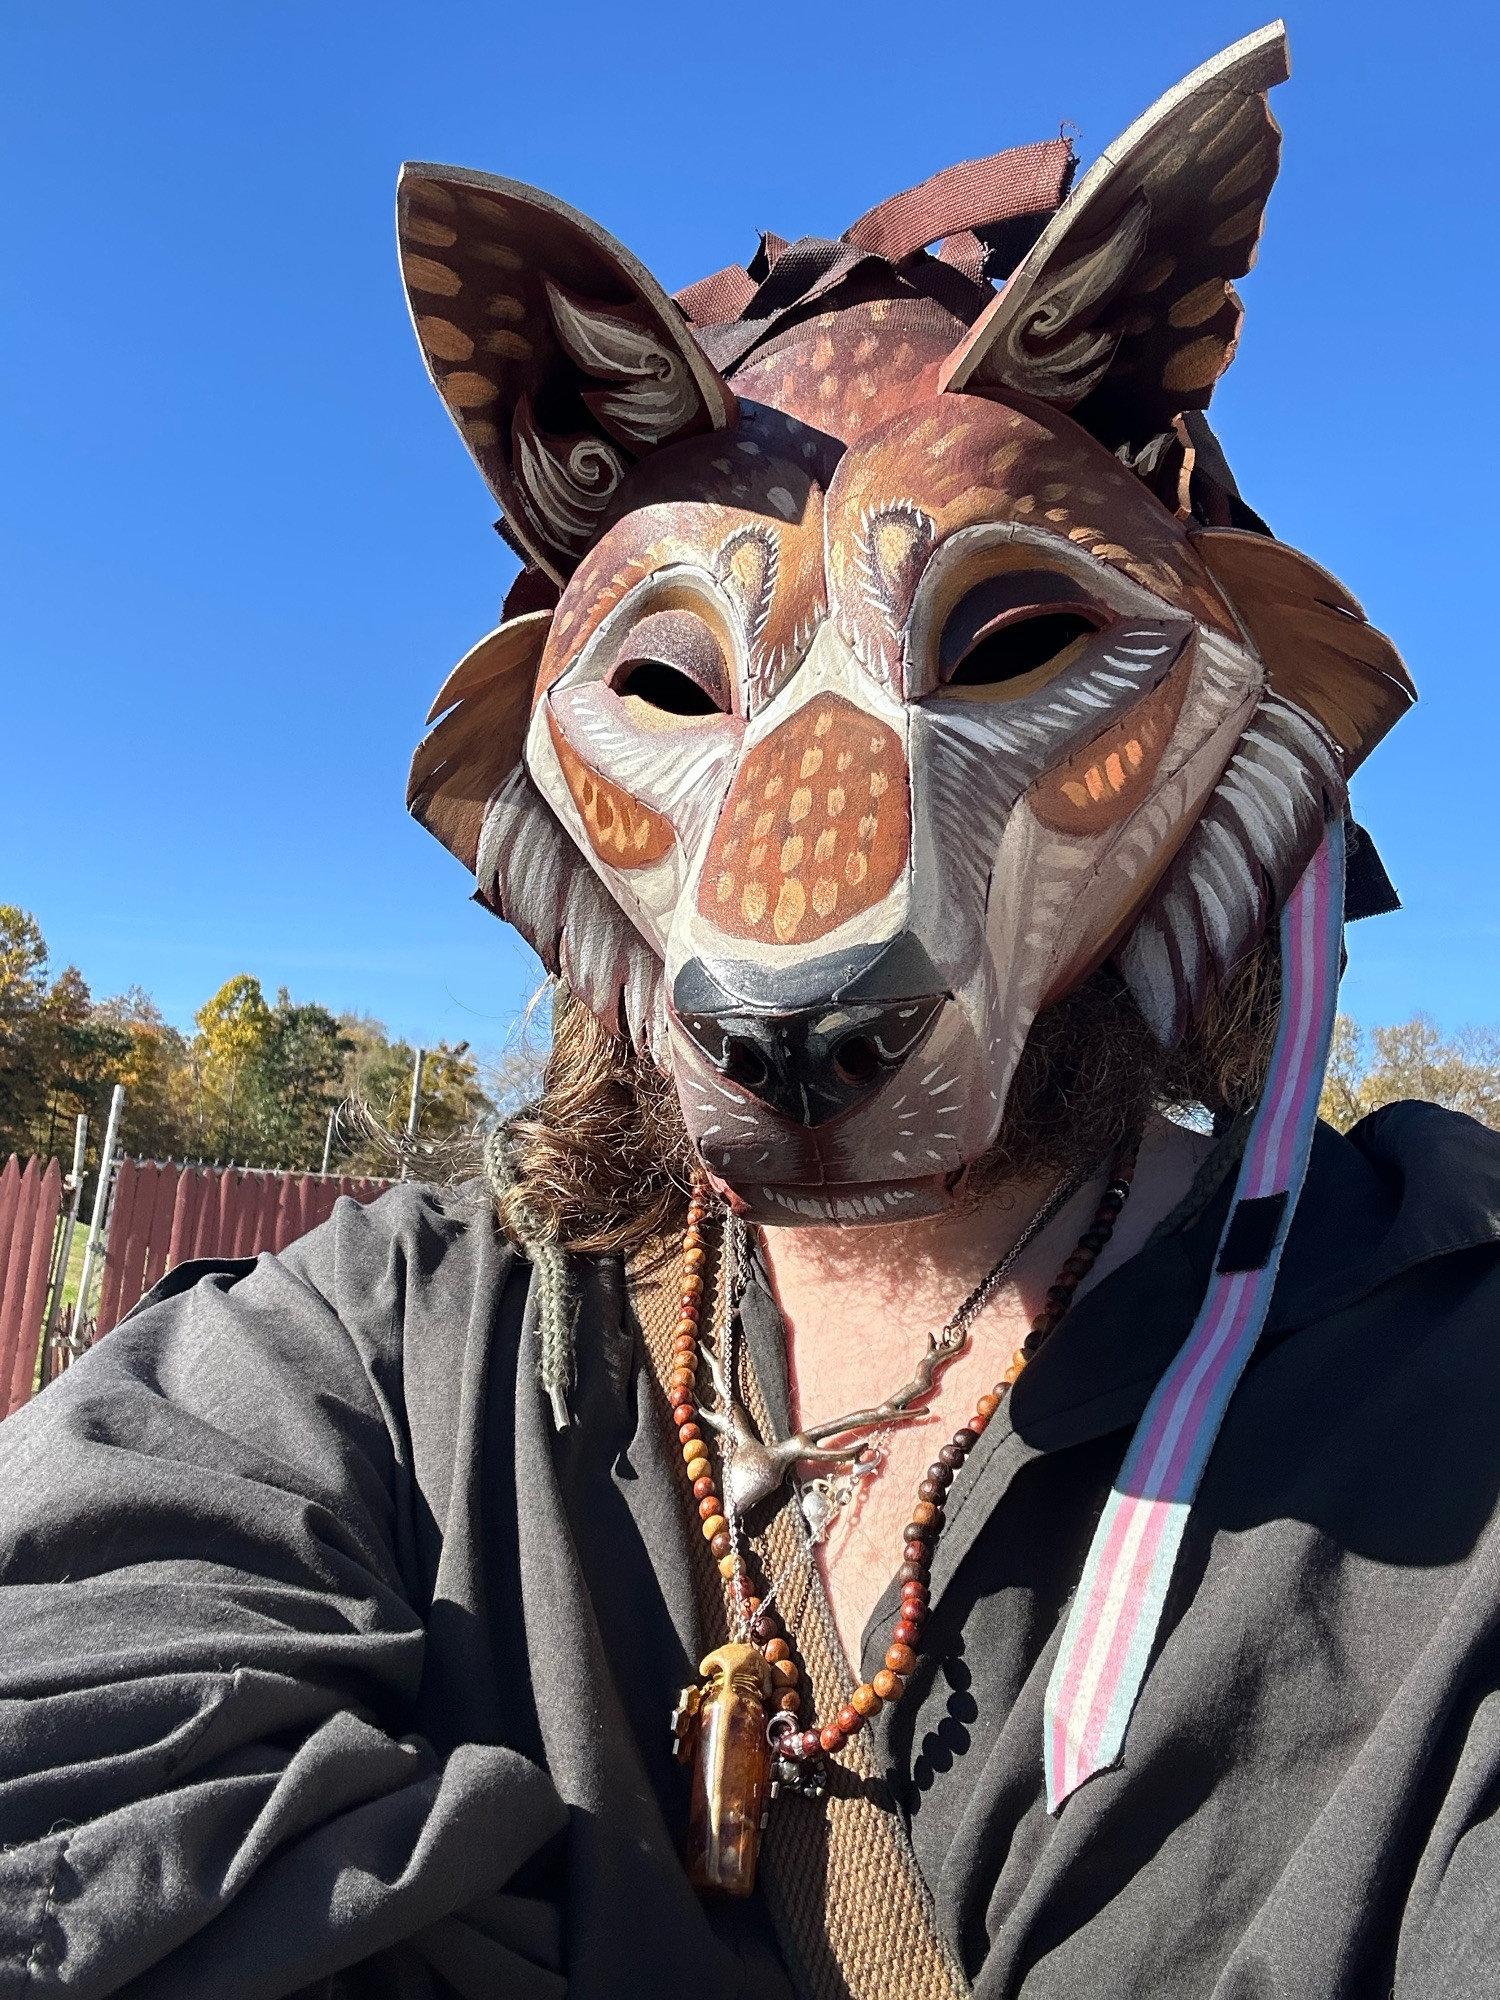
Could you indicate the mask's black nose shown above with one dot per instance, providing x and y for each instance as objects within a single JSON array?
[{"x": 809, "y": 1063}]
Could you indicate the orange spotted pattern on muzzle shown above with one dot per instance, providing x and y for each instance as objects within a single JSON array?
[{"x": 816, "y": 827}]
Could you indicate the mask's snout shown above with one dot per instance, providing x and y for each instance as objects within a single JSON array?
[{"x": 813, "y": 1063}]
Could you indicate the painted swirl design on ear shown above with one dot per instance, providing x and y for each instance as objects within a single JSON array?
[
  {"x": 1123, "y": 311},
  {"x": 568, "y": 482},
  {"x": 531, "y": 317},
  {"x": 1053, "y": 349},
  {"x": 656, "y": 398}
]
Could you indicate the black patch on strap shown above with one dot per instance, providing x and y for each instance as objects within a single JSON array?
[{"x": 1251, "y": 1236}]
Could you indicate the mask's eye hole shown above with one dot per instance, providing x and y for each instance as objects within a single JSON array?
[
  {"x": 673, "y": 663},
  {"x": 663, "y": 687},
  {"x": 1014, "y": 626},
  {"x": 1007, "y": 652}
]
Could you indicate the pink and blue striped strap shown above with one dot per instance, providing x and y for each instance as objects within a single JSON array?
[{"x": 1107, "y": 1641}]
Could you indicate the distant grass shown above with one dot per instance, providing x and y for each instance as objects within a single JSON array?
[{"x": 74, "y": 1273}]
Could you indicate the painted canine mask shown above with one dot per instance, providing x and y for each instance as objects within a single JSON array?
[{"x": 891, "y": 650}]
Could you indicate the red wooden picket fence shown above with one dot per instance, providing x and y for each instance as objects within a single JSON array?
[
  {"x": 30, "y": 1198},
  {"x": 162, "y": 1214}
]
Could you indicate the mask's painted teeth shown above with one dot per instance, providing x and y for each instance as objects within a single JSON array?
[{"x": 869, "y": 1206}]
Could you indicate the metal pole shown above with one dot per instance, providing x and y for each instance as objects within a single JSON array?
[
  {"x": 101, "y": 1199},
  {"x": 414, "y": 1113},
  {"x": 70, "y": 1223},
  {"x": 328, "y": 1139}
]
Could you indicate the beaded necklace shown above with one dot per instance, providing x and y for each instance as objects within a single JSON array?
[{"x": 742, "y": 1728}]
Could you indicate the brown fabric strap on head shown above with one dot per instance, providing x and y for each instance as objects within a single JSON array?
[
  {"x": 851, "y": 1911},
  {"x": 965, "y": 253},
  {"x": 737, "y": 307},
  {"x": 722, "y": 296},
  {"x": 1027, "y": 180}
]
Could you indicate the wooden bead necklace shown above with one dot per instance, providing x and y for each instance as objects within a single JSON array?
[{"x": 726, "y": 1828}]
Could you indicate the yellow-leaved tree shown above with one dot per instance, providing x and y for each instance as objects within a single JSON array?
[{"x": 234, "y": 1031}]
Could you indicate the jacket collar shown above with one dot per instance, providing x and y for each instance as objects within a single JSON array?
[{"x": 1408, "y": 1184}]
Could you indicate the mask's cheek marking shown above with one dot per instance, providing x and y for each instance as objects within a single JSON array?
[
  {"x": 1108, "y": 778},
  {"x": 621, "y": 831},
  {"x": 815, "y": 830}
]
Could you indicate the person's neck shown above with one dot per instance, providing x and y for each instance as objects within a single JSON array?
[
  {"x": 859, "y": 1302},
  {"x": 920, "y": 1270}
]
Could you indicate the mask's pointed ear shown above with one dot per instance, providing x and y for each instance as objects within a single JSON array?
[
  {"x": 1318, "y": 648},
  {"x": 1123, "y": 311},
  {"x": 559, "y": 356}
]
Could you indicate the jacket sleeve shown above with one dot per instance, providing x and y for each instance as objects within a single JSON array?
[
  {"x": 210, "y": 1638},
  {"x": 1450, "y": 1928}
]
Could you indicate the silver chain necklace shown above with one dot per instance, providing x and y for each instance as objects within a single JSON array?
[{"x": 754, "y": 1468}]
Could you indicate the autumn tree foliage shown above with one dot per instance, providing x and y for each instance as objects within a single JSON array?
[
  {"x": 255, "y": 1082},
  {"x": 1371, "y": 1067}
]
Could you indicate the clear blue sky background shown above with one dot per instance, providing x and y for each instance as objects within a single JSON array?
[{"x": 242, "y": 546}]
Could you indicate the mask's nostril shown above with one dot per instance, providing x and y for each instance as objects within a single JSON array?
[
  {"x": 745, "y": 1063},
  {"x": 856, "y": 1059}
]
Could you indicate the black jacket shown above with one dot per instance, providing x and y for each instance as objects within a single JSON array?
[{"x": 327, "y": 1665}]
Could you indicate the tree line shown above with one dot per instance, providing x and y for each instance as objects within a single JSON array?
[{"x": 254, "y": 1082}]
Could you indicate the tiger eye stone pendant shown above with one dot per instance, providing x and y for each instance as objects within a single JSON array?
[{"x": 720, "y": 1728}]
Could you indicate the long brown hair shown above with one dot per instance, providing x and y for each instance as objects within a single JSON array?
[{"x": 601, "y": 1161}]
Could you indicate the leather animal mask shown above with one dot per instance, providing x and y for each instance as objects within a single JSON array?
[{"x": 888, "y": 655}]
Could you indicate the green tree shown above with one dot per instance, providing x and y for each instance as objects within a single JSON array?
[
  {"x": 79, "y": 1052},
  {"x": 453, "y": 1110},
  {"x": 23, "y": 994},
  {"x": 298, "y": 1080}
]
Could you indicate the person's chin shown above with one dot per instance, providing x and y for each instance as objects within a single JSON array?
[{"x": 853, "y": 1203}]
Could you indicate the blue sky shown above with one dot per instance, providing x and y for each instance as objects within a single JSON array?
[{"x": 241, "y": 545}]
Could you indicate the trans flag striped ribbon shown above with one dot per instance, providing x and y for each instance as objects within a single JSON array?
[{"x": 1107, "y": 1641}]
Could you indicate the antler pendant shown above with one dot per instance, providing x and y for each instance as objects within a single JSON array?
[{"x": 753, "y": 1469}]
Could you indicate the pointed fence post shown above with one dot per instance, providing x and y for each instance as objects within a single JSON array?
[{"x": 27, "y": 1347}]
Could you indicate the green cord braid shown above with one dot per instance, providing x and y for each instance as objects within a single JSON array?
[{"x": 556, "y": 1300}]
